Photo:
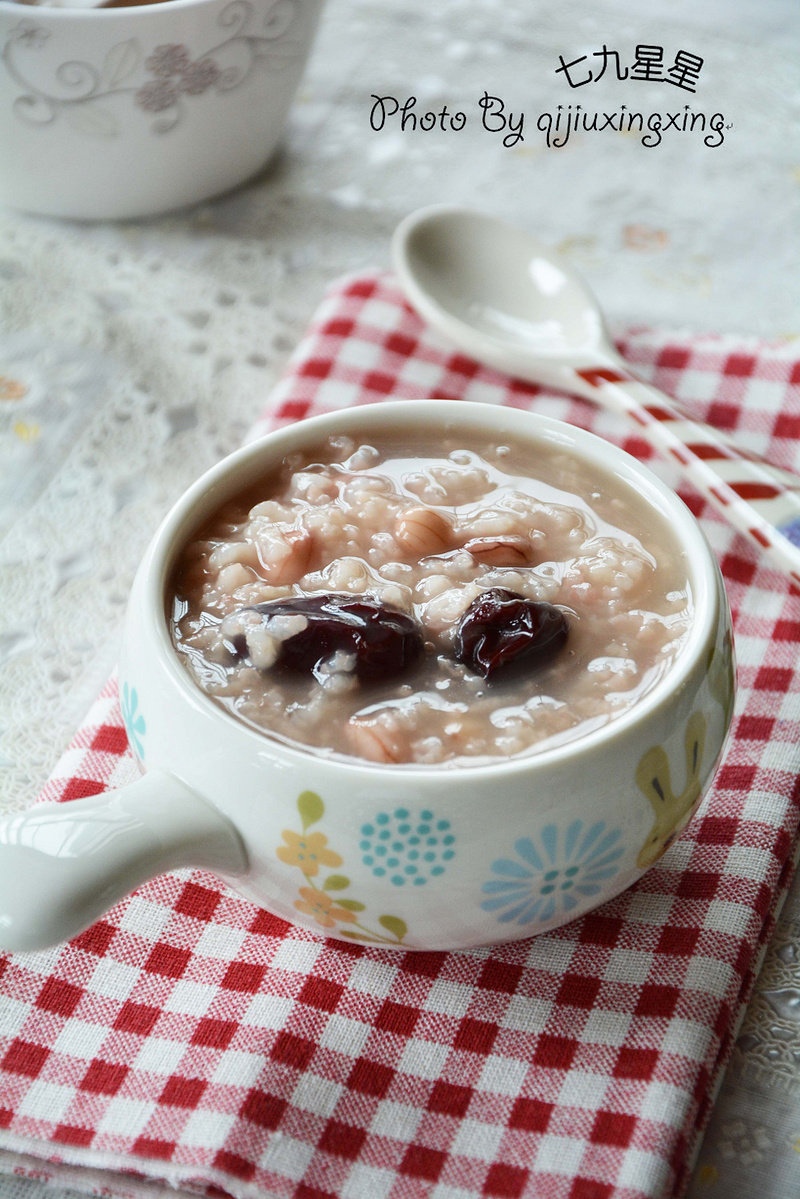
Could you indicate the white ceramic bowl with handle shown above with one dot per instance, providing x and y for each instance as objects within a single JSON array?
[
  {"x": 517, "y": 847},
  {"x": 110, "y": 113}
]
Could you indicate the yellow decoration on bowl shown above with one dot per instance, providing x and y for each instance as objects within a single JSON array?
[{"x": 654, "y": 779}]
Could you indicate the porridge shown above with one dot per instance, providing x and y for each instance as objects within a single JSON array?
[{"x": 416, "y": 603}]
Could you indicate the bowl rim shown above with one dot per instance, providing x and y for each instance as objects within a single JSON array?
[
  {"x": 67, "y": 13},
  {"x": 215, "y": 486}
]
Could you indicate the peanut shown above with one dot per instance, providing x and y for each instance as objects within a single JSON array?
[
  {"x": 422, "y": 532},
  {"x": 510, "y": 550}
]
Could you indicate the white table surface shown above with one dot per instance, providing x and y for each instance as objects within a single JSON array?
[{"x": 145, "y": 349}]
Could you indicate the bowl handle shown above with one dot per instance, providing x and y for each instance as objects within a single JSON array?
[{"x": 63, "y": 865}]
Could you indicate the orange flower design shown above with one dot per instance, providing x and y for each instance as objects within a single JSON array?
[
  {"x": 308, "y": 851},
  {"x": 320, "y": 907}
]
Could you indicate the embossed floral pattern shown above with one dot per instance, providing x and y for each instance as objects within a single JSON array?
[
  {"x": 553, "y": 873},
  {"x": 28, "y": 34},
  {"x": 168, "y": 60},
  {"x": 175, "y": 73},
  {"x": 157, "y": 96},
  {"x": 158, "y": 81},
  {"x": 745, "y": 1142},
  {"x": 199, "y": 77},
  {"x": 309, "y": 852}
]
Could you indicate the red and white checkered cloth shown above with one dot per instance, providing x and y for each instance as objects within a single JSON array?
[{"x": 193, "y": 1039}]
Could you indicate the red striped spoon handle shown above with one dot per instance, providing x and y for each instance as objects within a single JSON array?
[
  {"x": 760, "y": 500},
  {"x": 509, "y": 302}
]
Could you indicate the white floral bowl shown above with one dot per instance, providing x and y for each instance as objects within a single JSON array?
[
  {"x": 512, "y": 848},
  {"x": 128, "y": 112}
]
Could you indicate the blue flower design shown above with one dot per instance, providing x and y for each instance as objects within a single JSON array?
[
  {"x": 553, "y": 874},
  {"x": 407, "y": 849},
  {"x": 135, "y": 725}
]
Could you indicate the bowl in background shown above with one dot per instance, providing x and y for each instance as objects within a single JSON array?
[
  {"x": 110, "y": 113},
  {"x": 531, "y": 841}
]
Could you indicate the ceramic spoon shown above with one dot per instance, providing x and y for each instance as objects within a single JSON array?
[{"x": 511, "y": 303}]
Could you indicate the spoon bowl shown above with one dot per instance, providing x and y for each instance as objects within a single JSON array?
[
  {"x": 502, "y": 298},
  {"x": 509, "y": 291}
]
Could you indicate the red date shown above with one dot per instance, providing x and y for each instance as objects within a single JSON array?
[
  {"x": 503, "y": 633},
  {"x": 383, "y": 640}
]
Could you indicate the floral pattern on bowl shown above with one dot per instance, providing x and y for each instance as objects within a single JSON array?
[
  {"x": 311, "y": 854},
  {"x": 407, "y": 849},
  {"x": 161, "y": 80},
  {"x": 671, "y": 809},
  {"x": 553, "y": 873},
  {"x": 134, "y": 721}
]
